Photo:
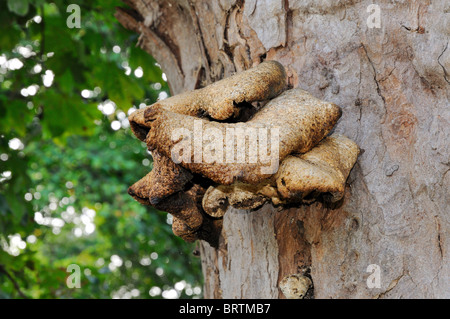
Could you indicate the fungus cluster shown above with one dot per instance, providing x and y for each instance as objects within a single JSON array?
[{"x": 216, "y": 146}]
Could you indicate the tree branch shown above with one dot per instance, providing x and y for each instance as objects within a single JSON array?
[{"x": 13, "y": 281}]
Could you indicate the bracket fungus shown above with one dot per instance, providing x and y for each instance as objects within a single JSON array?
[
  {"x": 207, "y": 155},
  {"x": 301, "y": 178},
  {"x": 295, "y": 286},
  {"x": 295, "y": 120},
  {"x": 220, "y": 100}
]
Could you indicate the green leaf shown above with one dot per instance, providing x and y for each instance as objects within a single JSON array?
[
  {"x": 10, "y": 36},
  {"x": 139, "y": 57},
  {"x": 16, "y": 118},
  {"x": 66, "y": 82},
  {"x": 19, "y": 7},
  {"x": 37, "y": 3}
]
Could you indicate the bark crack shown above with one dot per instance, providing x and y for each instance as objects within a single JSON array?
[
  {"x": 288, "y": 18},
  {"x": 443, "y": 68},
  {"x": 226, "y": 47},
  {"x": 374, "y": 75},
  {"x": 439, "y": 237},
  {"x": 201, "y": 40},
  {"x": 391, "y": 286}
]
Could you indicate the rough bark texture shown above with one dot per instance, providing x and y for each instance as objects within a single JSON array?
[{"x": 392, "y": 83}]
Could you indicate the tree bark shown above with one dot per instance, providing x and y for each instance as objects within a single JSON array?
[{"x": 392, "y": 83}]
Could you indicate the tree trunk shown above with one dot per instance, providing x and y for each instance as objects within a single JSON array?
[{"x": 388, "y": 67}]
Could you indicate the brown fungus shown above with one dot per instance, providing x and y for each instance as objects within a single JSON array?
[
  {"x": 238, "y": 195},
  {"x": 306, "y": 165},
  {"x": 165, "y": 179},
  {"x": 163, "y": 188},
  {"x": 295, "y": 120},
  {"x": 183, "y": 206},
  {"x": 295, "y": 286},
  {"x": 322, "y": 170},
  {"x": 209, "y": 230},
  {"x": 300, "y": 179},
  {"x": 220, "y": 100},
  {"x": 180, "y": 205}
]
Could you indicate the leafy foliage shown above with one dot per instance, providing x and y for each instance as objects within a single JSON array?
[{"x": 67, "y": 157}]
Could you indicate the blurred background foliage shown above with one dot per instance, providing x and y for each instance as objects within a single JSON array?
[{"x": 67, "y": 157}]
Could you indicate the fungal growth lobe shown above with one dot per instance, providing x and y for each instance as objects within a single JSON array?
[{"x": 216, "y": 147}]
